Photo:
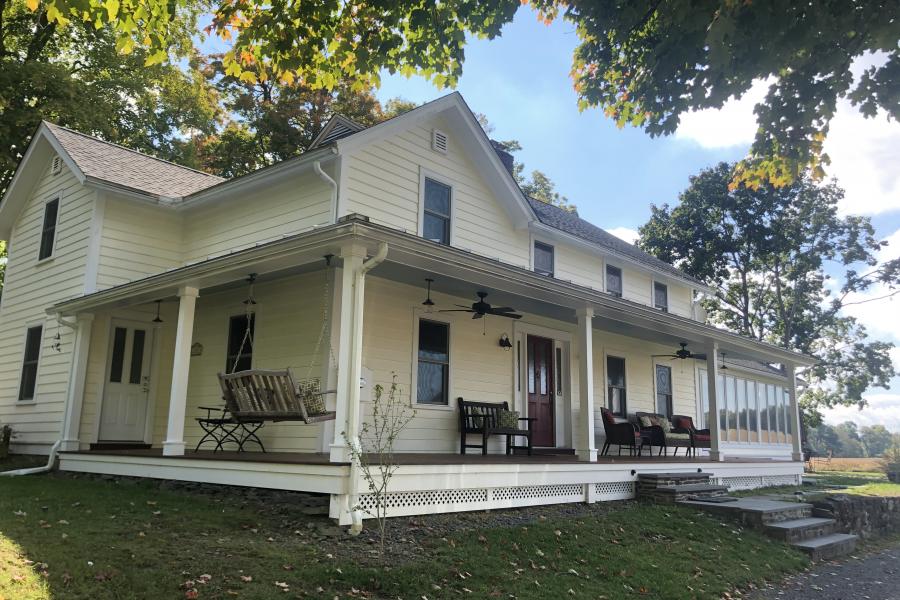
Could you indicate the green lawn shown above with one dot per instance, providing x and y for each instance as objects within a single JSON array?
[
  {"x": 63, "y": 537},
  {"x": 853, "y": 482}
]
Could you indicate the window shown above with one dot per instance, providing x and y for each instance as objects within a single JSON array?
[
  {"x": 660, "y": 296},
  {"x": 615, "y": 384},
  {"x": 433, "y": 375},
  {"x": 436, "y": 215},
  {"x": 48, "y": 232},
  {"x": 664, "y": 390},
  {"x": 543, "y": 259},
  {"x": 559, "y": 370},
  {"x": 30, "y": 363},
  {"x": 240, "y": 343},
  {"x": 614, "y": 280}
]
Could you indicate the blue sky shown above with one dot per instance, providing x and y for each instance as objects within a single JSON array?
[{"x": 521, "y": 83}]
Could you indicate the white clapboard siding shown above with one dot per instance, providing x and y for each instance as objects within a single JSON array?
[
  {"x": 263, "y": 214},
  {"x": 30, "y": 287}
]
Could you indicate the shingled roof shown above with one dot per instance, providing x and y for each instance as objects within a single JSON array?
[
  {"x": 571, "y": 223},
  {"x": 130, "y": 169}
]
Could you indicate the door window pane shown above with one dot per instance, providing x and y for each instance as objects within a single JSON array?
[
  {"x": 614, "y": 280},
  {"x": 137, "y": 356},
  {"x": 543, "y": 259},
  {"x": 664, "y": 390},
  {"x": 33, "y": 337},
  {"x": 433, "y": 375},
  {"x": 559, "y": 370},
  {"x": 436, "y": 225},
  {"x": 118, "y": 355},
  {"x": 615, "y": 383},
  {"x": 240, "y": 343}
]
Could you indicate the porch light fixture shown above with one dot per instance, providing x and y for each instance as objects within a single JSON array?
[
  {"x": 505, "y": 343},
  {"x": 428, "y": 301},
  {"x": 158, "y": 319},
  {"x": 250, "y": 301},
  {"x": 724, "y": 367}
]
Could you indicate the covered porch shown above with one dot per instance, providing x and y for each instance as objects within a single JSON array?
[{"x": 367, "y": 307}]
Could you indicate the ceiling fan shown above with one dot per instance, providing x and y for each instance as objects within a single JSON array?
[
  {"x": 683, "y": 354},
  {"x": 481, "y": 308}
]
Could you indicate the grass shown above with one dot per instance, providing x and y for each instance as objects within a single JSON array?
[
  {"x": 852, "y": 482},
  {"x": 68, "y": 538},
  {"x": 865, "y": 465}
]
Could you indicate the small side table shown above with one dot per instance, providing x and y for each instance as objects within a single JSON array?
[{"x": 218, "y": 427}]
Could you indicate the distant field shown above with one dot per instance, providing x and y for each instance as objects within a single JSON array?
[{"x": 846, "y": 464}]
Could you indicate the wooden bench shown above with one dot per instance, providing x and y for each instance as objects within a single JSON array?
[{"x": 483, "y": 418}]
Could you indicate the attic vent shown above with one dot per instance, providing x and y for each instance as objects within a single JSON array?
[
  {"x": 56, "y": 165},
  {"x": 439, "y": 141}
]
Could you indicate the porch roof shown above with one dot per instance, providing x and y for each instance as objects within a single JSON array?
[{"x": 304, "y": 250}]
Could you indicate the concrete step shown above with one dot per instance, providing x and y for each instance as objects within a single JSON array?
[
  {"x": 757, "y": 511},
  {"x": 828, "y": 546},
  {"x": 799, "y": 530},
  {"x": 694, "y": 489}
]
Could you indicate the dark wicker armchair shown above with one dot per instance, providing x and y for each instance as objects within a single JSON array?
[
  {"x": 623, "y": 434},
  {"x": 699, "y": 437}
]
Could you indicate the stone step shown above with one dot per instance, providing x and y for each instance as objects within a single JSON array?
[
  {"x": 757, "y": 511},
  {"x": 828, "y": 546},
  {"x": 798, "y": 530},
  {"x": 693, "y": 489}
]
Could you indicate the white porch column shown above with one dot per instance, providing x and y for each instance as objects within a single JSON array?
[
  {"x": 77, "y": 374},
  {"x": 585, "y": 446},
  {"x": 181, "y": 363},
  {"x": 349, "y": 321},
  {"x": 715, "y": 396},
  {"x": 797, "y": 450}
]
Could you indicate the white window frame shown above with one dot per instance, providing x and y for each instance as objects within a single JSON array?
[
  {"x": 418, "y": 316},
  {"x": 542, "y": 240},
  {"x": 428, "y": 174},
  {"x": 607, "y": 264},
  {"x": 40, "y": 362},
  {"x": 53, "y": 248},
  {"x": 653, "y": 284}
]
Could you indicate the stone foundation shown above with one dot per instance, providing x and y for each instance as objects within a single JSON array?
[{"x": 866, "y": 516}]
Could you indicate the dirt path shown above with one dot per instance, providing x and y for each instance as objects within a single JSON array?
[{"x": 875, "y": 576}]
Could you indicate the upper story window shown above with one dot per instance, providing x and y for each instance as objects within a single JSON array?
[
  {"x": 543, "y": 259},
  {"x": 240, "y": 343},
  {"x": 436, "y": 214},
  {"x": 661, "y": 296},
  {"x": 433, "y": 370},
  {"x": 30, "y": 362},
  {"x": 614, "y": 280},
  {"x": 48, "y": 231}
]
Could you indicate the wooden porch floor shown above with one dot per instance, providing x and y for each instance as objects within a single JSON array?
[{"x": 300, "y": 458}]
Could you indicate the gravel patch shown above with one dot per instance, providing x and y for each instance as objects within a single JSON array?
[{"x": 875, "y": 576}]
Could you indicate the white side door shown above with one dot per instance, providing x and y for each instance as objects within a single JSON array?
[{"x": 125, "y": 399}]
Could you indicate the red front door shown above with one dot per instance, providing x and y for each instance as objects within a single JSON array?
[{"x": 541, "y": 384}]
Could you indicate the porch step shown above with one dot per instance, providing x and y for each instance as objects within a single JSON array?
[
  {"x": 800, "y": 530},
  {"x": 828, "y": 546},
  {"x": 676, "y": 493},
  {"x": 757, "y": 511}
]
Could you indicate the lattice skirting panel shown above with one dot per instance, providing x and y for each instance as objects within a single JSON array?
[
  {"x": 761, "y": 481},
  {"x": 440, "y": 501}
]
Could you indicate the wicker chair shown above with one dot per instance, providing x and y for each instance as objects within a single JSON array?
[
  {"x": 621, "y": 433},
  {"x": 700, "y": 438}
]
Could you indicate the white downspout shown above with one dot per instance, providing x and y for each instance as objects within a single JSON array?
[
  {"x": 35, "y": 470},
  {"x": 358, "y": 298},
  {"x": 317, "y": 167}
]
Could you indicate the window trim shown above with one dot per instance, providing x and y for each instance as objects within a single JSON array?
[
  {"x": 607, "y": 400},
  {"x": 53, "y": 247},
  {"x": 419, "y": 316},
  {"x": 534, "y": 242},
  {"x": 428, "y": 174},
  {"x": 653, "y": 285},
  {"x": 621, "y": 293},
  {"x": 228, "y": 318},
  {"x": 37, "y": 372}
]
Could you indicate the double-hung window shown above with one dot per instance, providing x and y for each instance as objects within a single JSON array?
[
  {"x": 436, "y": 212},
  {"x": 48, "y": 231},
  {"x": 240, "y": 343},
  {"x": 433, "y": 374},
  {"x": 543, "y": 259},
  {"x": 615, "y": 385},
  {"x": 30, "y": 363},
  {"x": 661, "y": 296},
  {"x": 664, "y": 390},
  {"x": 614, "y": 280}
]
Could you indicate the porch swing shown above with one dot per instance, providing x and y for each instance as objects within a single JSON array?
[{"x": 255, "y": 396}]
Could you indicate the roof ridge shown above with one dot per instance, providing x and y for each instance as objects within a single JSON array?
[{"x": 132, "y": 150}]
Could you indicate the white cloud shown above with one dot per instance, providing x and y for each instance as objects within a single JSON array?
[
  {"x": 882, "y": 409},
  {"x": 863, "y": 151},
  {"x": 625, "y": 233}
]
